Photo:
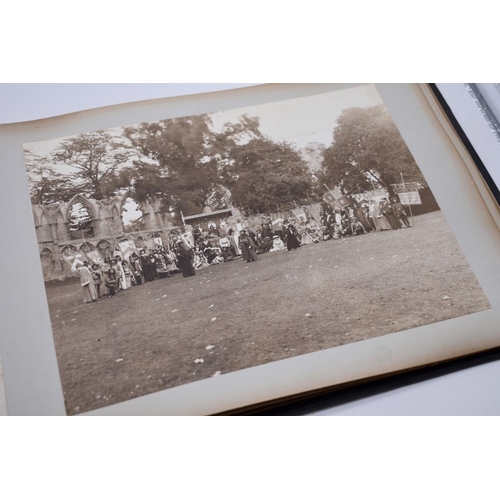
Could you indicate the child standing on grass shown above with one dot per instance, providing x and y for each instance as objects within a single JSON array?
[{"x": 97, "y": 277}]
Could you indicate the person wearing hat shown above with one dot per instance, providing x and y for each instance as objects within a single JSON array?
[
  {"x": 388, "y": 212},
  {"x": 399, "y": 211},
  {"x": 87, "y": 283},
  {"x": 185, "y": 258},
  {"x": 277, "y": 244},
  {"x": 98, "y": 279},
  {"x": 292, "y": 242},
  {"x": 247, "y": 246}
]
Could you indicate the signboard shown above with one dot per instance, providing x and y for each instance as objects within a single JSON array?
[
  {"x": 375, "y": 194},
  {"x": 408, "y": 193}
]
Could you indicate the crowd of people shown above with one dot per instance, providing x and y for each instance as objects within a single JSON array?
[
  {"x": 233, "y": 240},
  {"x": 116, "y": 274}
]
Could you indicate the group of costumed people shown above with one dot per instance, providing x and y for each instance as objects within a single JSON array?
[
  {"x": 233, "y": 241},
  {"x": 116, "y": 274},
  {"x": 363, "y": 217}
]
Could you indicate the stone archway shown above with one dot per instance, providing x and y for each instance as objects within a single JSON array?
[
  {"x": 132, "y": 214},
  {"x": 48, "y": 264},
  {"x": 81, "y": 216},
  {"x": 105, "y": 248}
]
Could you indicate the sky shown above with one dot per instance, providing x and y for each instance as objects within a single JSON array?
[
  {"x": 301, "y": 121},
  {"x": 306, "y": 119}
]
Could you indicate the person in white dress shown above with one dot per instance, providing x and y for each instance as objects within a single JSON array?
[{"x": 277, "y": 244}]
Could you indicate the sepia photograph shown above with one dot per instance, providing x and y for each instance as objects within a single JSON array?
[{"x": 188, "y": 248}]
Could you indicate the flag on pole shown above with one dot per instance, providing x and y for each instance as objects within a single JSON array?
[
  {"x": 336, "y": 201},
  {"x": 408, "y": 193},
  {"x": 329, "y": 198}
]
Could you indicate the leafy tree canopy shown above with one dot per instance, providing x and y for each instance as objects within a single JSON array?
[
  {"x": 367, "y": 147},
  {"x": 265, "y": 174},
  {"x": 46, "y": 185},
  {"x": 95, "y": 158}
]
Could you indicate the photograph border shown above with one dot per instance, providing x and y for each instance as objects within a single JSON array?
[{"x": 27, "y": 347}]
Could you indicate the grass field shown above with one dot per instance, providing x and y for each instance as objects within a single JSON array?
[{"x": 237, "y": 315}]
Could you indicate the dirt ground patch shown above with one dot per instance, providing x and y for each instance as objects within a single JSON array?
[{"x": 237, "y": 315}]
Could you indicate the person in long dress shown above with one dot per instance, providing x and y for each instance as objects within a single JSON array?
[
  {"x": 388, "y": 212},
  {"x": 121, "y": 274},
  {"x": 129, "y": 276},
  {"x": 87, "y": 283},
  {"x": 373, "y": 211},
  {"x": 98, "y": 279},
  {"x": 399, "y": 211},
  {"x": 292, "y": 242},
  {"x": 384, "y": 223},
  {"x": 136, "y": 267},
  {"x": 233, "y": 241},
  {"x": 247, "y": 246},
  {"x": 360, "y": 216},
  {"x": 185, "y": 257},
  {"x": 171, "y": 261},
  {"x": 147, "y": 267}
]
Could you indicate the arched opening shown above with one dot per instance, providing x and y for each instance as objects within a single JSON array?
[
  {"x": 80, "y": 223},
  {"x": 87, "y": 247},
  {"x": 105, "y": 249},
  {"x": 132, "y": 216},
  {"x": 48, "y": 264},
  {"x": 68, "y": 253}
]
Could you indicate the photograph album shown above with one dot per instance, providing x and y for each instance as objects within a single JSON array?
[{"x": 199, "y": 254}]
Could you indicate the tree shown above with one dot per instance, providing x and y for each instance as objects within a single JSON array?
[
  {"x": 367, "y": 147},
  {"x": 183, "y": 161},
  {"x": 95, "y": 158},
  {"x": 265, "y": 174},
  {"x": 175, "y": 163},
  {"x": 46, "y": 185}
]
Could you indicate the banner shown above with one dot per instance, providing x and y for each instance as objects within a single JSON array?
[
  {"x": 408, "y": 193},
  {"x": 94, "y": 257},
  {"x": 72, "y": 258},
  {"x": 299, "y": 214},
  {"x": 188, "y": 239},
  {"x": 329, "y": 198},
  {"x": 340, "y": 202},
  {"x": 127, "y": 248},
  {"x": 313, "y": 211}
]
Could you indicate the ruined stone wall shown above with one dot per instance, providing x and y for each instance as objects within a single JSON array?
[{"x": 54, "y": 238}]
